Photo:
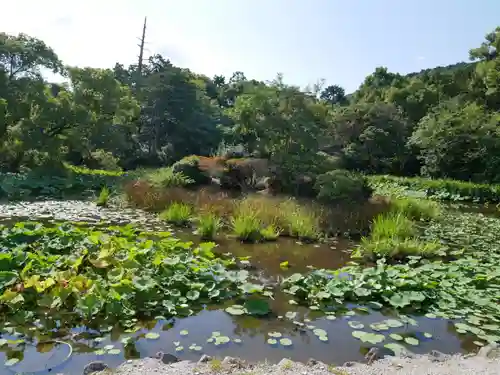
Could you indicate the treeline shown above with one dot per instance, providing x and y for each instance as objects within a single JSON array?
[{"x": 441, "y": 122}]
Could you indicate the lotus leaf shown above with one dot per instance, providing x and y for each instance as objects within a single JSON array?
[
  {"x": 272, "y": 341},
  {"x": 286, "y": 342},
  {"x": 411, "y": 341},
  {"x": 152, "y": 336},
  {"x": 356, "y": 325},
  {"x": 235, "y": 310}
]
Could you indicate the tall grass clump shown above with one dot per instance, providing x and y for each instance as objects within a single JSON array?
[
  {"x": 177, "y": 214},
  {"x": 299, "y": 221},
  {"x": 392, "y": 226},
  {"x": 247, "y": 227},
  {"x": 103, "y": 198},
  {"x": 208, "y": 225},
  {"x": 414, "y": 208}
]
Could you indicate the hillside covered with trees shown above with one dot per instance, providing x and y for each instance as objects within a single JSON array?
[{"x": 441, "y": 122}]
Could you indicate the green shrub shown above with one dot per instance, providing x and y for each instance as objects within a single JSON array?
[
  {"x": 414, "y": 208},
  {"x": 190, "y": 167},
  {"x": 103, "y": 198},
  {"x": 167, "y": 178},
  {"x": 105, "y": 160},
  {"x": 392, "y": 226},
  {"x": 341, "y": 185},
  {"x": 441, "y": 189},
  {"x": 208, "y": 225},
  {"x": 177, "y": 214},
  {"x": 396, "y": 248},
  {"x": 247, "y": 227}
]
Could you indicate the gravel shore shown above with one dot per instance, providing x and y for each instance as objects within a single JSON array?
[{"x": 416, "y": 365}]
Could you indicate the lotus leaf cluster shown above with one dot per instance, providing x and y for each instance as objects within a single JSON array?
[{"x": 113, "y": 275}]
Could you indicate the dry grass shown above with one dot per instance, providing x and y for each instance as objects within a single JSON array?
[{"x": 296, "y": 217}]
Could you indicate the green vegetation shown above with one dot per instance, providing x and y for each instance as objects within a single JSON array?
[
  {"x": 166, "y": 178},
  {"x": 340, "y": 185},
  {"x": 112, "y": 276},
  {"x": 395, "y": 226},
  {"x": 103, "y": 198},
  {"x": 247, "y": 227},
  {"x": 208, "y": 225},
  {"x": 415, "y": 209},
  {"x": 452, "y": 190},
  {"x": 178, "y": 214}
]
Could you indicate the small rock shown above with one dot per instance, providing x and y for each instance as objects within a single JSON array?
[
  {"x": 437, "y": 356},
  {"x": 372, "y": 355},
  {"x": 95, "y": 367},
  {"x": 312, "y": 362},
  {"x": 349, "y": 364},
  {"x": 205, "y": 358},
  {"x": 485, "y": 350},
  {"x": 166, "y": 358}
]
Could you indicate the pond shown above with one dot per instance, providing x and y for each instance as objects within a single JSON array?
[{"x": 248, "y": 337}]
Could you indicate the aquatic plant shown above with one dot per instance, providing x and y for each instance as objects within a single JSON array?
[
  {"x": 392, "y": 226},
  {"x": 396, "y": 248},
  {"x": 108, "y": 276},
  {"x": 177, "y": 214},
  {"x": 247, "y": 227},
  {"x": 440, "y": 189},
  {"x": 466, "y": 289},
  {"x": 415, "y": 208},
  {"x": 270, "y": 233},
  {"x": 103, "y": 198},
  {"x": 167, "y": 178},
  {"x": 208, "y": 225}
]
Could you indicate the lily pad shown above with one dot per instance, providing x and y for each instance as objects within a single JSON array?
[
  {"x": 237, "y": 341},
  {"x": 257, "y": 307},
  {"x": 319, "y": 332},
  {"x": 152, "y": 336},
  {"x": 398, "y": 349},
  {"x": 274, "y": 334},
  {"x": 331, "y": 317},
  {"x": 286, "y": 342},
  {"x": 394, "y": 323},
  {"x": 184, "y": 332},
  {"x": 427, "y": 335},
  {"x": 355, "y": 324},
  {"x": 11, "y": 362},
  {"x": 179, "y": 349},
  {"x": 411, "y": 341},
  {"x": 323, "y": 338},
  {"x": 235, "y": 310},
  {"x": 372, "y": 338},
  {"x": 290, "y": 315},
  {"x": 108, "y": 347},
  {"x": 272, "y": 341},
  {"x": 114, "y": 351},
  {"x": 221, "y": 340},
  {"x": 99, "y": 352},
  {"x": 396, "y": 337}
]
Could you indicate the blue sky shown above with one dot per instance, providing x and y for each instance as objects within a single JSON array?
[{"x": 306, "y": 40}]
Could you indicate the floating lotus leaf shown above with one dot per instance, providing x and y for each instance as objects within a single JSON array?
[
  {"x": 411, "y": 341},
  {"x": 396, "y": 337},
  {"x": 393, "y": 323},
  {"x": 184, "y": 332},
  {"x": 152, "y": 336},
  {"x": 274, "y": 334},
  {"x": 356, "y": 325},
  {"x": 286, "y": 342},
  {"x": 235, "y": 310},
  {"x": 272, "y": 341}
]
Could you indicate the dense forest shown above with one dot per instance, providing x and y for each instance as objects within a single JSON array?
[{"x": 441, "y": 122}]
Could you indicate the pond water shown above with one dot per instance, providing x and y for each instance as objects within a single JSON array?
[{"x": 297, "y": 325}]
